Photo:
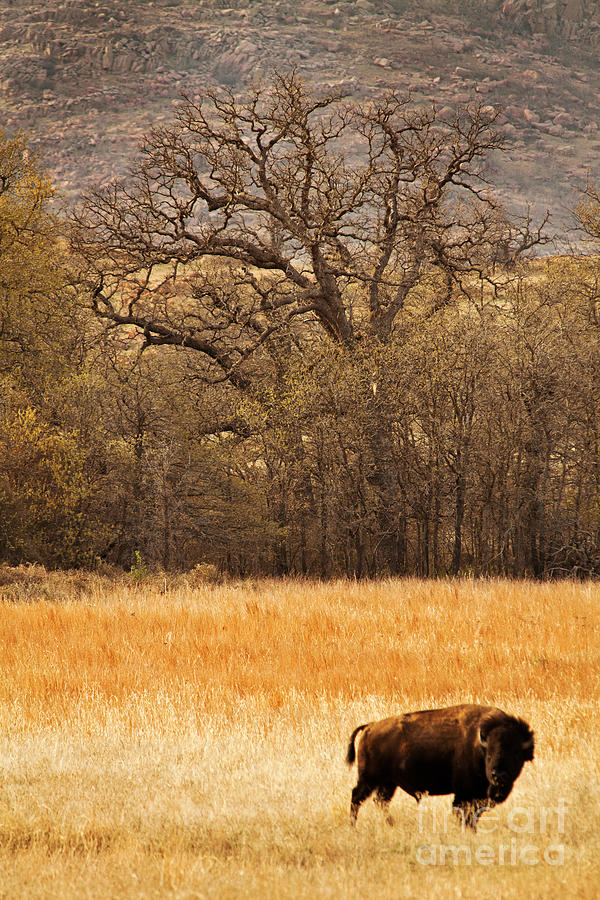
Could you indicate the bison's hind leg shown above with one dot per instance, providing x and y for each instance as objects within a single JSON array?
[
  {"x": 360, "y": 793},
  {"x": 383, "y": 797}
]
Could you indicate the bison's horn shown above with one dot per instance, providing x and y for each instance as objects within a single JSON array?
[
  {"x": 528, "y": 744},
  {"x": 482, "y": 739}
]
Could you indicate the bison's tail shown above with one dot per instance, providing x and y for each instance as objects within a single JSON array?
[{"x": 351, "y": 755}]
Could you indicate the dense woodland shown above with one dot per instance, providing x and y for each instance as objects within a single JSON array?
[{"x": 302, "y": 337}]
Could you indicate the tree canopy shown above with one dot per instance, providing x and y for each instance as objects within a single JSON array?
[
  {"x": 242, "y": 219},
  {"x": 303, "y": 335}
]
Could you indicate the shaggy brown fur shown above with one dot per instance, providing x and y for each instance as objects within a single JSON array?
[{"x": 474, "y": 752}]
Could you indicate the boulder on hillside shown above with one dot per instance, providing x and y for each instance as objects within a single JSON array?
[{"x": 234, "y": 66}]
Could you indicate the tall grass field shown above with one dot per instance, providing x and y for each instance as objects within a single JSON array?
[{"x": 190, "y": 741}]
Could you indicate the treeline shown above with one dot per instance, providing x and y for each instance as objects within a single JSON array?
[{"x": 256, "y": 355}]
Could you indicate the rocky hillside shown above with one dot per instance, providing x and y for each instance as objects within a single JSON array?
[{"x": 86, "y": 79}]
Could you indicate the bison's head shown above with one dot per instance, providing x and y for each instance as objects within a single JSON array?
[{"x": 507, "y": 743}]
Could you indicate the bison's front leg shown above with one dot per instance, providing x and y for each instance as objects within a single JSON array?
[{"x": 469, "y": 811}]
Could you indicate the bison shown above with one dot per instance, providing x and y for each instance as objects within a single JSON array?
[{"x": 474, "y": 752}]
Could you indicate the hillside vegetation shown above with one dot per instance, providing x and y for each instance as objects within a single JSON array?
[{"x": 261, "y": 354}]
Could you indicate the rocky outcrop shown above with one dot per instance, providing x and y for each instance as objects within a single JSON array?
[
  {"x": 87, "y": 79},
  {"x": 572, "y": 20}
]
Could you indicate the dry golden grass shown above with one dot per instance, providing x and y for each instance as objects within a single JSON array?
[{"x": 191, "y": 743}]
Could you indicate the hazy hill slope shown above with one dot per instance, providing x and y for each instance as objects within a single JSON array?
[{"x": 87, "y": 78}]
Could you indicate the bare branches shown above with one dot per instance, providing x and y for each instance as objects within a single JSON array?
[{"x": 333, "y": 211}]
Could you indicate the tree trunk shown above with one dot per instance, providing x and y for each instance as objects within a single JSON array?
[{"x": 459, "y": 513}]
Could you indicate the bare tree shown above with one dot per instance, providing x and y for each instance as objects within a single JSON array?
[
  {"x": 257, "y": 236},
  {"x": 241, "y": 218}
]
